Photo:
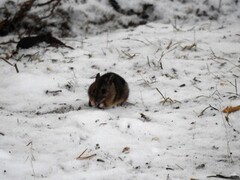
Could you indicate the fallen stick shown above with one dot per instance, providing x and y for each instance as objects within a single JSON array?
[
  {"x": 224, "y": 177},
  {"x": 230, "y": 109},
  {"x": 14, "y": 65}
]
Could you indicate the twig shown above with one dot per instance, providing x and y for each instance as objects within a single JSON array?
[
  {"x": 14, "y": 65},
  {"x": 224, "y": 177},
  {"x": 6, "y": 61},
  {"x": 46, "y": 3},
  {"x": 2, "y": 134},
  {"x": 231, "y": 109},
  {"x": 52, "y": 10}
]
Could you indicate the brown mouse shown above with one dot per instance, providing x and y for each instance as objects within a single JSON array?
[{"x": 108, "y": 90}]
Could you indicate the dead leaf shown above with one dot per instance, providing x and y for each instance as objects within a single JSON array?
[{"x": 126, "y": 150}]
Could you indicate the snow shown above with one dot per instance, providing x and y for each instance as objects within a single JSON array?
[{"x": 179, "y": 137}]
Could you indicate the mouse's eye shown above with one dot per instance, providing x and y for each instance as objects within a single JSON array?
[{"x": 104, "y": 91}]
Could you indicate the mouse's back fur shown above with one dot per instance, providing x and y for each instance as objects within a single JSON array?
[{"x": 108, "y": 90}]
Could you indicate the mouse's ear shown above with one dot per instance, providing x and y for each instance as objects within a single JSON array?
[{"x": 97, "y": 76}]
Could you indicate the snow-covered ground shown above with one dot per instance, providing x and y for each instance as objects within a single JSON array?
[
  {"x": 81, "y": 17},
  {"x": 173, "y": 127}
]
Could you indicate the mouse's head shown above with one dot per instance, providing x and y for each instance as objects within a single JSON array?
[{"x": 101, "y": 90}]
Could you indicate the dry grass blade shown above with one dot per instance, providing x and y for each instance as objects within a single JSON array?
[
  {"x": 169, "y": 45},
  {"x": 129, "y": 56},
  {"x": 189, "y": 47},
  {"x": 147, "y": 44},
  {"x": 166, "y": 99},
  {"x": 202, "y": 112},
  {"x": 214, "y": 56},
  {"x": 87, "y": 157},
  {"x": 81, "y": 154},
  {"x": 80, "y": 157}
]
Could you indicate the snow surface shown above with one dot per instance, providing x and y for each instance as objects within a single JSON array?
[{"x": 43, "y": 133}]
